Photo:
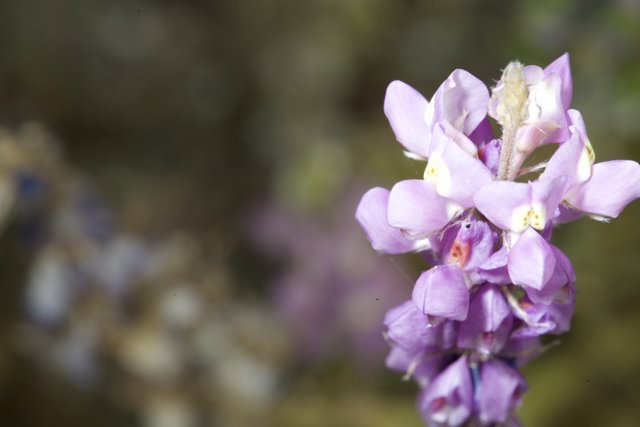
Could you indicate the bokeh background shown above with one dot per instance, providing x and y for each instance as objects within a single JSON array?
[{"x": 178, "y": 186}]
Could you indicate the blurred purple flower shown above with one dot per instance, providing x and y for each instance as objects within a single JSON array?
[{"x": 331, "y": 294}]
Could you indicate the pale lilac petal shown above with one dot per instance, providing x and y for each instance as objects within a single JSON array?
[
  {"x": 500, "y": 201},
  {"x": 563, "y": 275},
  {"x": 562, "y": 68},
  {"x": 448, "y": 400},
  {"x": 570, "y": 160},
  {"x": 514, "y": 205},
  {"x": 456, "y": 174},
  {"x": 489, "y": 154},
  {"x": 548, "y": 193},
  {"x": 408, "y": 327},
  {"x": 546, "y": 115},
  {"x": 416, "y": 208},
  {"x": 470, "y": 245},
  {"x": 405, "y": 109},
  {"x": 462, "y": 100},
  {"x": 532, "y": 74},
  {"x": 442, "y": 292},
  {"x": 421, "y": 366},
  {"x": 400, "y": 359},
  {"x": 494, "y": 269},
  {"x": 372, "y": 216},
  {"x": 565, "y": 215},
  {"x": 488, "y": 323},
  {"x": 544, "y": 319},
  {"x": 482, "y": 240},
  {"x": 457, "y": 137},
  {"x": 531, "y": 261},
  {"x": 611, "y": 187},
  {"x": 576, "y": 120},
  {"x": 501, "y": 388},
  {"x": 531, "y": 136}
]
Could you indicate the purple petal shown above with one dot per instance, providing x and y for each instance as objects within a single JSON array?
[
  {"x": 562, "y": 68},
  {"x": 457, "y": 137},
  {"x": 489, "y": 153},
  {"x": 577, "y": 123},
  {"x": 547, "y": 121},
  {"x": 482, "y": 240},
  {"x": 408, "y": 327},
  {"x": 501, "y": 388},
  {"x": 494, "y": 269},
  {"x": 554, "y": 318},
  {"x": 462, "y": 100},
  {"x": 483, "y": 133},
  {"x": 611, "y": 187},
  {"x": 457, "y": 175},
  {"x": 372, "y": 216},
  {"x": 499, "y": 199},
  {"x": 563, "y": 274},
  {"x": 548, "y": 193},
  {"x": 423, "y": 367},
  {"x": 470, "y": 245},
  {"x": 531, "y": 261},
  {"x": 488, "y": 324},
  {"x": 401, "y": 359},
  {"x": 442, "y": 292},
  {"x": 570, "y": 160},
  {"x": 416, "y": 208},
  {"x": 405, "y": 109},
  {"x": 514, "y": 205},
  {"x": 449, "y": 398},
  {"x": 565, "y": 214}
]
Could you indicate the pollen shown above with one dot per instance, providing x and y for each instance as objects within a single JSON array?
[
  {"x": 431, "y": 173},
  {"x": 525, "y": 216},
  {"x": 537, "y": 217}
]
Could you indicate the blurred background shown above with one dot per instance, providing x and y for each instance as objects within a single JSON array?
[{"x": 178, "y": 181}]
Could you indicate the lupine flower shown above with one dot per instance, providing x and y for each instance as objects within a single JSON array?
[{"x": 498, "y": 282}]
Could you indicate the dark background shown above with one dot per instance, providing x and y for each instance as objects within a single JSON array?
[{"x": 196, "y": 116}]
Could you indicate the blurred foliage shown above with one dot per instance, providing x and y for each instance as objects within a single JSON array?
[{"x": 196, "y": 116}]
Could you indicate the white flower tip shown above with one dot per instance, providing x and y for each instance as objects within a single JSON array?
[
  {"x": 511, "y": 95},
  {"x": 414, "y": 156}
]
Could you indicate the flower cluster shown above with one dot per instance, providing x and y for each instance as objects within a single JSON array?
[{"x": 483, "y": 214}]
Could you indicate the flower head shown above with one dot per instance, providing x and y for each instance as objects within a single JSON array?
[{"x": 498, "y": 282}]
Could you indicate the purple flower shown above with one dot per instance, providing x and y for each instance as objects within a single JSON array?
[
  {"x": 372, "y": 216},
  {"x": 461, "y": 101},
  {"x": 468, "y": 246},
  {"x": 442, "y": 292},
  {"x": 514, "y": 206},
  {"x": 456, "y": 174},
  {"x": 498, "y": 283},
  {"x": 417, "y": 346},
  {"x": 488, "y": 324},
  {"x": 530, "y": 103},
  {"x": 448, "y": 400},
  {"x": 500, "y": 392},
  {"x": 415, "y": 208}
]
